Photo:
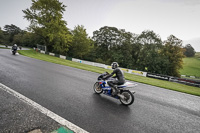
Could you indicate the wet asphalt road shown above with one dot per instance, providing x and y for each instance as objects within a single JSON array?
[
  {"x": 68, "y": 92},
  {"x": 17, "y": 116}
]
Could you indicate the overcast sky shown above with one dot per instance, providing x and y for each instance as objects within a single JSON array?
[{"x": 165, "y": 17}]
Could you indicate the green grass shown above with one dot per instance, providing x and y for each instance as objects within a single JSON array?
[
  {"x": 3, "y": 47},
  {"x": 191, "y": 66},
  {"x": 197, "y": 55},
  {"x": 155, "y": 82}
]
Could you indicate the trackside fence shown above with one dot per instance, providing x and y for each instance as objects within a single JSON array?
[{"x": 186, "y": 81}]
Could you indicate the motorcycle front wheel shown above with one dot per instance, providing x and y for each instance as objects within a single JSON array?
[
  {"x": 128, "y": 97},
  {"x": 97, "y": 88}
]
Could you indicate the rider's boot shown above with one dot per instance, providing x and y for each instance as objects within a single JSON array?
[{"x": 116, "y": 91}]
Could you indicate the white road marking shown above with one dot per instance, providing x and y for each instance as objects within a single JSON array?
[{"x": 43, "y": 110}]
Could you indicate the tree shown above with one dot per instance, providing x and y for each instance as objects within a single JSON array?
[
  {"x": 46, "y": 21},
  {"x": 189, "y": 51},
  {"x": 149, "y": 57},
  {"x": 105, "y": 39},
  {"x": 112, "y": 44},
  {"x": 12, "y": 29},
  {"x": 173, "y": 51},
  {"x": 10, "y": 32},
  {"x": 1, "y": 36},
  {"x": 30, "y": 40},
  {"x": 123, "y": 53},
  {"x": 81, "y": 43},
  {"x": 109, "y": 43},
  {"x": 17, "y": 39}
]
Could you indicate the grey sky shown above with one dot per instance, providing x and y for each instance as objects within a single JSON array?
[{"x": 165, "y": 17}]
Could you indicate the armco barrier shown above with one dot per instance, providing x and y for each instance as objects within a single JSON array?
[
  {"x": 52, "y": 54},
  {"x": 190, "y": 82},
  {"x": 76, "y": 60},
  {"x": 141, "y": 73},
  {"x": 136, "y": 72},
  {"x": 125, "y": 70},
  {"x": 195, "y": 77},
  {"x": 43, "y": 52},
  {"x": 99, "y": 65},
  {"x": 89, "y": 63},
  {"x": 158, "y": 76},
  {"x": 62, "y": 57}
]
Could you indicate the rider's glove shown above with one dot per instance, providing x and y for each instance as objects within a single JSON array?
[{"x": 104, "y": 78}]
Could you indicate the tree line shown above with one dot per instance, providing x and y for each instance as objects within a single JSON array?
[{"x": 145, "y": 51}]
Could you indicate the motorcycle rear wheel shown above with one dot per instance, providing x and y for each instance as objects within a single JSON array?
[
  {"x": 128, "y": 97},
  {"x": 97, "y": 88}
]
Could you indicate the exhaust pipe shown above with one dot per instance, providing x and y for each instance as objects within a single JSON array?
[
  {"x": 121, "y": 96},
  {"x": 132, "y": 92}
]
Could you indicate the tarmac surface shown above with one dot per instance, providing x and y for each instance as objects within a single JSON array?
[
  {"x": 68, "y": 92},
  {"x": 17, "y": 116}
]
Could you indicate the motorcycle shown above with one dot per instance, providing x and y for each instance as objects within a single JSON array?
[
  {"x": 14, "y": 51},
  {"x": 125, "y": 96}
]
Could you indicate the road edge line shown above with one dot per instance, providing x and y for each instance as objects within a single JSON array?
[{"x": 44, "y": 110}]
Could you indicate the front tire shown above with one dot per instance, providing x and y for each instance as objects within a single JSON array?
[
  {"x": 128, "y": 97},
  {"x": 97, "y": 88}
]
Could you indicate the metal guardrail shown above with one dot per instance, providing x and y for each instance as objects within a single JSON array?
[
  {"x": 186, "y": 81},
  {"x": 195, "y": 77},
  {"x": 190, "y": 82}
]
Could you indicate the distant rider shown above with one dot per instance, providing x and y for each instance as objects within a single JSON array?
[
  {"x": 14, "y": 47},
  {"x": 119, "y": 78}
]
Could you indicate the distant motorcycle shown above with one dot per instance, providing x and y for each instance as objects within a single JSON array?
[
  {"x": 125, "y": 96},
  {"x": 14, "y": 51}
]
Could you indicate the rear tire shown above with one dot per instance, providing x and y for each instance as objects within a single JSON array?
[
  {"x": 128, "y": 97},
  {"x": 97, "y": 88}
]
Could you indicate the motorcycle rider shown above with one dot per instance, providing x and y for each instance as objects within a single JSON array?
[
  {"x": 119, "y": 78},
  {"x": 14, "y": 47}
]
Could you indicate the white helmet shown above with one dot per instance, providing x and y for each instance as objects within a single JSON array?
[
  {"x": 114, "y": 65},
  {"x": 15, "y": 45}
]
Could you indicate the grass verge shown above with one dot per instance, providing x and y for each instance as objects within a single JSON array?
[
  {"x": 155, "y": 82},
  {"x": 191, "y": 66},
  {"x": 3, "y": 47}
]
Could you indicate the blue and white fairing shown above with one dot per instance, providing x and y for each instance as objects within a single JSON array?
[
  {"x": 105, "y": 85},
  {"x": 125, "y": 96}
]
